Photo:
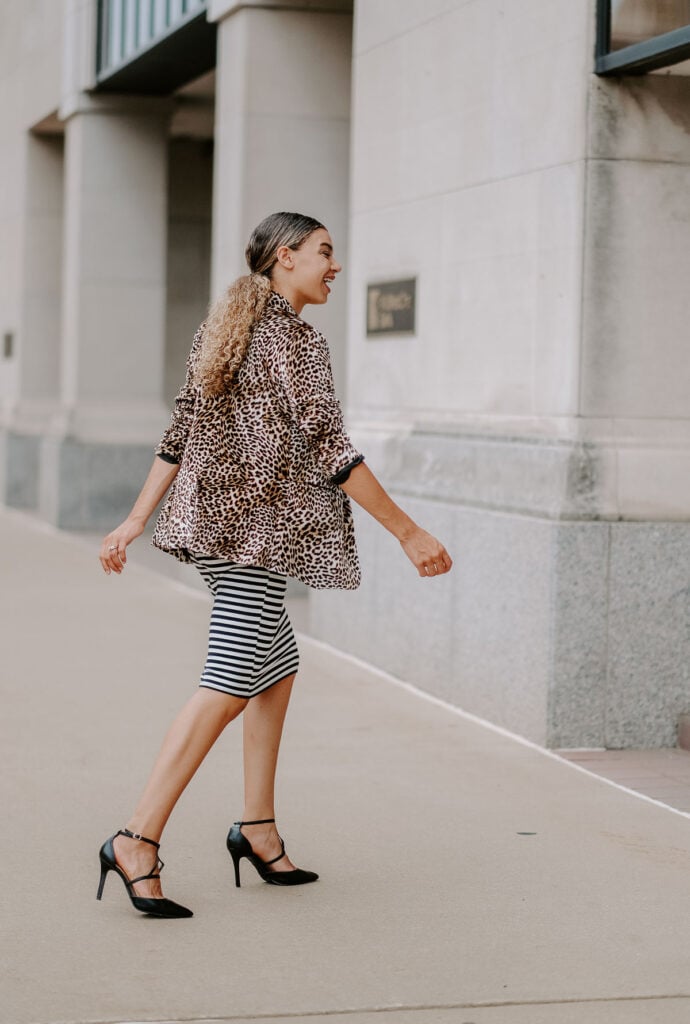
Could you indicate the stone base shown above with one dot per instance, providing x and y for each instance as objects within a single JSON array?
[
  {"x": 573, "y": 634},
  {"x": 90, "y": 486},
  {"x": 684, "y": 732},
  {"x": 21, "y": 459}
]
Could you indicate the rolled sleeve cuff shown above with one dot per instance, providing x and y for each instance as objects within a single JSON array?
[
  {"x": 167, "y": 457},
  {"x": 343, "y": 474}
]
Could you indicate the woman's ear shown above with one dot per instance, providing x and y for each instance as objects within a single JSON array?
[{"x": 284, "y": 256}]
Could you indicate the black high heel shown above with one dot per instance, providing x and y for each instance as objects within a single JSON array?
[
  {"x": 239, "y": 847},
  {"x": 147, "y": 905}
]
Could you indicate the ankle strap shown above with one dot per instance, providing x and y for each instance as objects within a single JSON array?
[
  {"x": 263, "y": 821},
  {"x": 138, "y": 835}
]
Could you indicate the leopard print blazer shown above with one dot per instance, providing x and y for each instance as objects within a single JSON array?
[{"x": 260, "y": 464}]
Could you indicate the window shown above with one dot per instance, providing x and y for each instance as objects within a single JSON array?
[{"x": 636, "y": 36}]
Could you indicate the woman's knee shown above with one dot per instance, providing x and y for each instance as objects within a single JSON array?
[{"x": 225, "y": 705}]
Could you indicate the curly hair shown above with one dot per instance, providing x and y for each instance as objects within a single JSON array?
[{"x": 228, "y": 328}]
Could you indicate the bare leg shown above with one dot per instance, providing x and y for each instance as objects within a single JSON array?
[
  {"x": 189, "y": 739},
  {"x": 263, "y": 729}
]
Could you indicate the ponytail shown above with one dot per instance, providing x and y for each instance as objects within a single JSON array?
[{"x": 227, "y": 332}]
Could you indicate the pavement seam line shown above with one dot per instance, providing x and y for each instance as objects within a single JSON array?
[
  {"x": 477, "y": 720},
  {"x": 505, "y": 1004}
]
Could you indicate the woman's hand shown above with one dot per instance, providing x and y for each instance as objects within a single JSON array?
[
  {"x": 112, "y": 554},
  {"x": 427, "y": 554}
]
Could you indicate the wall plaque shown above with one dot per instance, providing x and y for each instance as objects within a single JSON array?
[{"x": 391, "y": 307}]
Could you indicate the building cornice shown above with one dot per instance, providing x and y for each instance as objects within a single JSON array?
[
  {"x": 114, "y": 103},
  {"x": 221, "y": 9}
]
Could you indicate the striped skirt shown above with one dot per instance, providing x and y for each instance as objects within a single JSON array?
[{"x": 251, "y": 644}]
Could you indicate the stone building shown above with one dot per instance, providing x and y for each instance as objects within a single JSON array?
[{"x": 508, "y": 185}]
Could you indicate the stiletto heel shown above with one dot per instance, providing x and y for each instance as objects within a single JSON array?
[
  {"x": 236, "y": 858},
  {"x": 104, "y": 872},
  {"x": 158, "y": 907},
  {"x": 239, "y": 846}
]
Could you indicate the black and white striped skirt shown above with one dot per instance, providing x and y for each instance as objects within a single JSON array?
[{"x": 251, "y": 644}]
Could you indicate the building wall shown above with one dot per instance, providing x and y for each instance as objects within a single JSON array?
[
  {"x": 537, "y": 420},
  {"x": 31, "y": 231},
  {"x": 468, "y": 172},
  {"x": 539, "y": 409},
  {"x": 635, "y": 374},
  {"x": 110, "y": 253},
  {"x": 30, "y": 68}
]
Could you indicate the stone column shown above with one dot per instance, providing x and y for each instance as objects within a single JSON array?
[
  {"x": 282, "y": 133},
  {"x": 38, "y": 336},
  {"x": 39, "y": 348},
  {"x": 113, "y": 310}
]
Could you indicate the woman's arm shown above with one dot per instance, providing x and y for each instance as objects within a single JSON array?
[
  {"x": 165, "y": 466},
  {"x": 426, "y": 553},
  {"x": 112, "y": 554},
  {"x": 172, "y": 444}
]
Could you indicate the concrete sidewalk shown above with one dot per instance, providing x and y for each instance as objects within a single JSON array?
[{"x": 466, "y": 878}]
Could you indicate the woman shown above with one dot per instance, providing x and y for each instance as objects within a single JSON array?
[{"x": 259, "y": 470}]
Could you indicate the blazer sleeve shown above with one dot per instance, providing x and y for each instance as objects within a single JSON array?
[
  {"x": 308, "y": 383},
  {"x": 172, "y": 444}
]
